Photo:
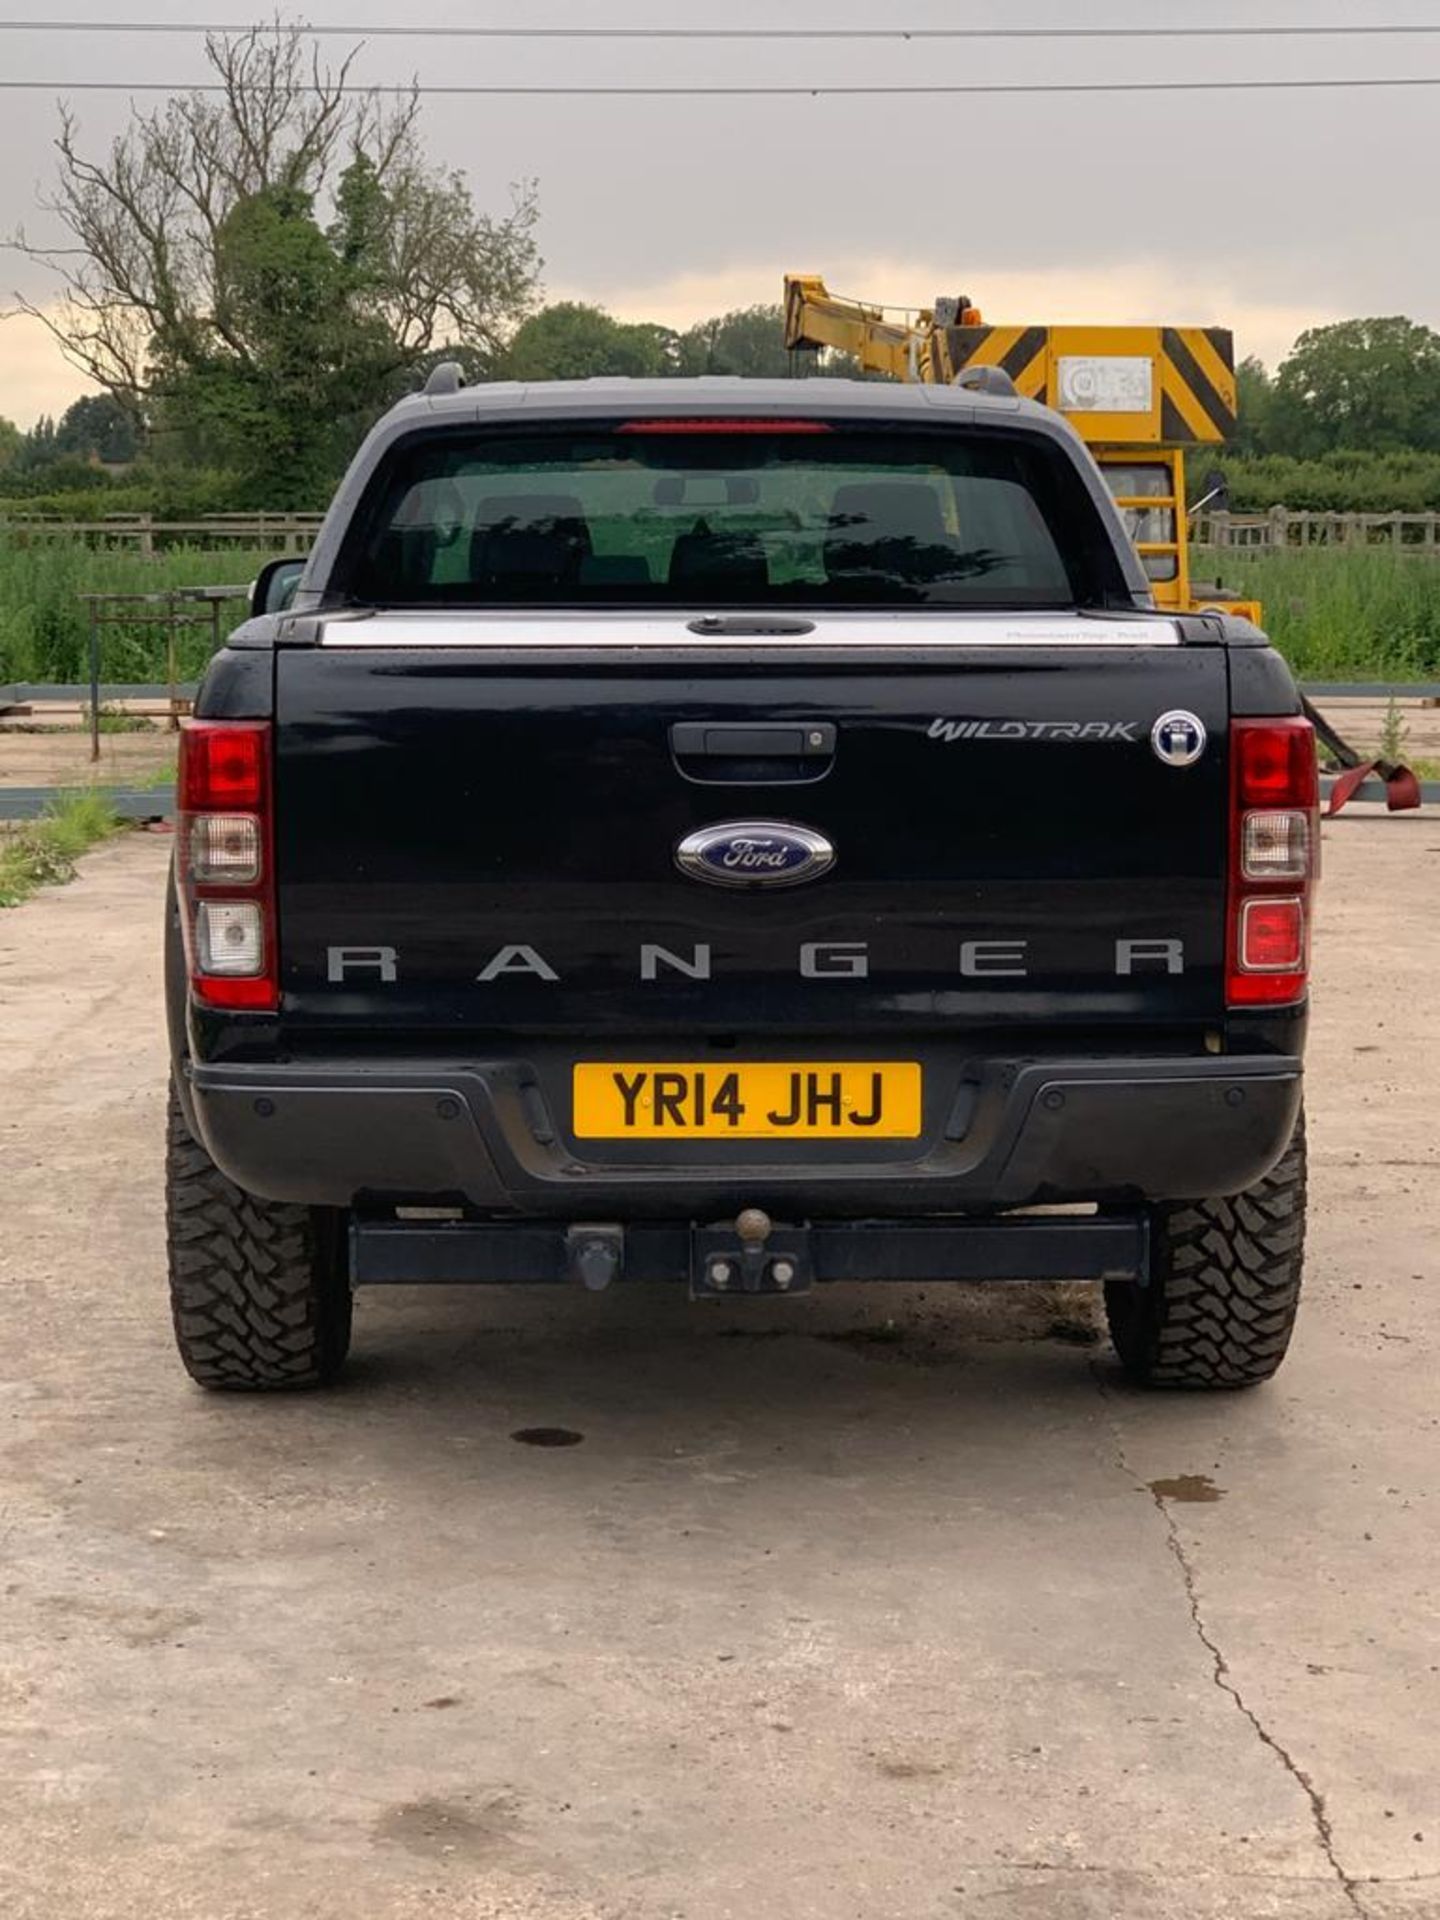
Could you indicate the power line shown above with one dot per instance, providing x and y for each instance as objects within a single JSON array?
[
  {"x": 1308, "y": 32},
  {"x": 1346, "y": 82}
]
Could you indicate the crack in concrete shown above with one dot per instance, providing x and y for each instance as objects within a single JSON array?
[
  {"x": 1224, "y": 1681},
  {"x": 1220, "y": 1667}
]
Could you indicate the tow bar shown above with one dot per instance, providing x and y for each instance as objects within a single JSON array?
[{"x": 752, "y": 1254}]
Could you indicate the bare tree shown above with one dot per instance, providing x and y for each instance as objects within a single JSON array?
[{"x": 153, "y": 284}]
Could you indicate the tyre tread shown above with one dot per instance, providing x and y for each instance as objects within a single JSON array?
[
  {"x": 1225, "y": 1287},
  {"x": 257, "y": 1294}
]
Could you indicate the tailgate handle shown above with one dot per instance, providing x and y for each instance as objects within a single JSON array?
[{"x": 763, "y": 751}]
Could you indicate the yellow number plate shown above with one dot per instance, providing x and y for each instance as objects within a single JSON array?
[{"x": 748, "y": 1100}]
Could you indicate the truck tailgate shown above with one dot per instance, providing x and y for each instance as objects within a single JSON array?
[{"x": 469, "y": 841}]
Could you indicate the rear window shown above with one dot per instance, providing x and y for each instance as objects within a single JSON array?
[{"x": 754, "y": 514}]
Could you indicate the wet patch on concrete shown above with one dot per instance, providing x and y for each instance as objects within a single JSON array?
[
  {"x": 901, "y": 1767},
  {"x": 1073, "y": 1333},
  {"x": 547, "y": 1436},
  {"x": 1193, "y": 1489},
  {"x": 134, "y": 1626},
  {"x": 434, "y": 1827},
  {"x": 882, "y": 1333}
]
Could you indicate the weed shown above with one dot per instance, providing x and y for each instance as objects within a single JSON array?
[
  {"x": 114, "y": 719},
  {"x": 1393, "y": 733},
  {"x": 156, "y": 778},
  {"x": 43, "y": 852}
]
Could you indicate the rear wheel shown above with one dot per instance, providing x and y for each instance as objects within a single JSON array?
[
  {"x": 258, "y": 1288},
  {"x": 1224, "y": 1288}
]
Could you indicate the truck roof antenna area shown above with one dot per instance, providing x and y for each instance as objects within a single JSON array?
[
  {"x": 447, "y": 377},
  {"x": 986, "y": 380}
]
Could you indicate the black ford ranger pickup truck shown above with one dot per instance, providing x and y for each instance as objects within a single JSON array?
[{"x": 744, "y": 833}]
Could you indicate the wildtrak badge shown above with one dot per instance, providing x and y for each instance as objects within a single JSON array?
[{"x": 951, "y": 730}]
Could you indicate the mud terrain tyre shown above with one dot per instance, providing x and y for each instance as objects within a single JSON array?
[
  {"x": 1225, "y": 1285},
  {"x": 258, "y": 1288}
]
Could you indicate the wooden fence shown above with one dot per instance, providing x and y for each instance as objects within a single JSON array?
[
  {"x": 1283, "y": 527},
  {"x": 295, "y": 532},
  {"x": 279, "y": 532}
]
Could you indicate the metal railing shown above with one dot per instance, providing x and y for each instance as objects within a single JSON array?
[{"x": 174, "y": 612}]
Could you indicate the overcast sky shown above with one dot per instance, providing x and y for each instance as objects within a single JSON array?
[{"x": 1264, "y": 212}]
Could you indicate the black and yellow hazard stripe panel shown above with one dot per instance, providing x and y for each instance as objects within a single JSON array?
[
  {"x": 1197, "y": 384},
  {"x": 1018, "y": 351},
  {"x": 1191, "y": 388}
]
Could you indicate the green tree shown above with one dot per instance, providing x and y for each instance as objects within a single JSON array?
[
  {"x": 1363, "y": 384},
  {"x": 1254, "y": 396},
  {"x": 573, "y": 341},
  {"x": 39, "y": 449},
  {"x": 749, "y": 341},
  {"x": 257, "y": 270},
  {"x": 97, "y": 427},
  {"x": 286, "y": 413},
  {"x": 12, "y": 440}
]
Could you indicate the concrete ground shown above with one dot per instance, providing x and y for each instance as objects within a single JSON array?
[
  {"x": 878, "y": 1608},
  {"x": 60, "y": 756}
]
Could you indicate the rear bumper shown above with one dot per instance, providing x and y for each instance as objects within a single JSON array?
[{"x": 1006, "y": 1134}]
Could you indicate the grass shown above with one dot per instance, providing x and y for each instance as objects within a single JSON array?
[
  {"x": 43, "y": 852},
  {"x": 155, "y": 779},
  {"x": 1367, "y": 614},
  {"x": 111, "y": 719},
  {"x": 1371, "y": 614},
  {"x": 44, "y": 625}
]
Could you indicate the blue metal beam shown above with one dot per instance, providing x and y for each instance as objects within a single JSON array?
[{"x": 131, "y": 803}]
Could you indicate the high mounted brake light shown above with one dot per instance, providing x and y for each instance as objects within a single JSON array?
[
  {"x": 708, "y": 425},
  {"x": 224, "y": 863},
  {"x": 1274, "y": 860}
]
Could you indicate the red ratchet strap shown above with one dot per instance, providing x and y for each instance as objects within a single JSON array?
[{"x": 1402, "y": 789}]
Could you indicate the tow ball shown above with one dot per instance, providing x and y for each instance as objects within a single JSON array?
[{"x": 752, "y": 1256}]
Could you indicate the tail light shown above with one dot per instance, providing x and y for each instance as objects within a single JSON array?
[
  {"x": 225, "y": 863},
  {"x": 1274, "y": 860}
]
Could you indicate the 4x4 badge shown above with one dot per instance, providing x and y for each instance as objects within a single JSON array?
[{"x": 1178, "y": 737}]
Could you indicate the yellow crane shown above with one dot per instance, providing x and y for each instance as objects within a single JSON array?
[{"x": 1139, "y": 396}]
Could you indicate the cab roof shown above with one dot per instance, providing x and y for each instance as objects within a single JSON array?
[
  {"x": 514, "y": 401},
  {"x": 710, "y": 395}
]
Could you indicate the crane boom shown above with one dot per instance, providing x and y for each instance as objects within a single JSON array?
[
  {"x": 1138, "y": 395},
  {"x": 816, "y": 318},
  {"x": 1118, "y": 386}
]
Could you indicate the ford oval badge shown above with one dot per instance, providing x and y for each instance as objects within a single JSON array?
[{"x": 754, "y": 853}]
